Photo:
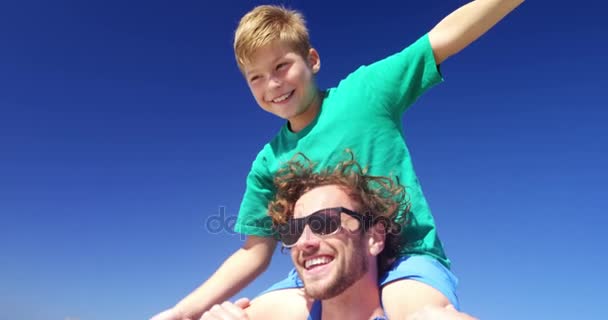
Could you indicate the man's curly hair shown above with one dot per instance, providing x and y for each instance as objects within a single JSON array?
[{"x": 380, "y": 198}]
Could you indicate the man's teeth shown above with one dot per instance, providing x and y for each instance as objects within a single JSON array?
[
  {"x": 282, "y": 98},
  {"x": 316, "y": 261}
]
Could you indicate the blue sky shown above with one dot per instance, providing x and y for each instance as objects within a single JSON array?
[{"x": 125, "y": 126}]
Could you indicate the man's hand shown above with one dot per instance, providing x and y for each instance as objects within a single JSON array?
[
  {"x": 439, "y": 313},
  {"x": 228, "y": 311}
]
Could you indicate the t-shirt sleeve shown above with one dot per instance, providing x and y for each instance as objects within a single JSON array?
[
  {"x": 398, "y": 80},
  {"x": 253, "y": 218}
]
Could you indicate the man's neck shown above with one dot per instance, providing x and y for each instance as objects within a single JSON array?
[{"x": 361, "y": 301}]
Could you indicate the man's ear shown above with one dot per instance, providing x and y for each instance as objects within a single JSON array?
[
  {"x": 376, "y": 239},
  {"x": 314, "y": 60}
]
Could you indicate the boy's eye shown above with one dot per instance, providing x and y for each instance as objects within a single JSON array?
[
  {"x": 254, "y": 78},
  {"x": 281, "y": 65}
]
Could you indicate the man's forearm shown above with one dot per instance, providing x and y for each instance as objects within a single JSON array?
[{"x": 465, "y": 25}]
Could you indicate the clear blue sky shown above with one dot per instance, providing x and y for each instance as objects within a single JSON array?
[{"x": 125, "y": 125}]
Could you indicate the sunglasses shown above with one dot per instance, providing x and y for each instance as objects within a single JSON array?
[{"x": 324, "y": 222}]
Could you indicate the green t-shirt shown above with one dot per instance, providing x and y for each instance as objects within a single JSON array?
[{"x": 363, "y": 113}]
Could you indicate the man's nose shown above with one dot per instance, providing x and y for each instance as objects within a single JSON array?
[{"x": 308, "y": 240}]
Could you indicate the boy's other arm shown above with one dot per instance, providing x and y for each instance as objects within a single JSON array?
[
  {"x": 233, "y": 275},
  {"x": 463, "y": 26}
]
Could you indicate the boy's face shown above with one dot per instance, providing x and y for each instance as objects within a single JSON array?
[{"x": 282, "y": 82}]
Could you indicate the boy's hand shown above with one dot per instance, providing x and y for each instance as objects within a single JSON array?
[{"x": 228, "y": 311}]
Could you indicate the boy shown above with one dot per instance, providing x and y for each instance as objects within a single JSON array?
[{"x": 363, "y": 113}]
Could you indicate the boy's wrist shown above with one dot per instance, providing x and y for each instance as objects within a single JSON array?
[{"x": 178, "y": 312}]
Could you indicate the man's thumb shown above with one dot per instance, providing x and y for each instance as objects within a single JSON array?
[{"x": 242, "y": 303}]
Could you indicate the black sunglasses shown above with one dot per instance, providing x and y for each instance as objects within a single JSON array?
[{"x": 324, "y": 222}]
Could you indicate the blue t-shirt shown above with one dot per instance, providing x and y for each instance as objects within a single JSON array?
[{"x": 316, "y": 312}]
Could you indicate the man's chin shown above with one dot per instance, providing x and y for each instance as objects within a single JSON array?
[
  {"x": 323, "y": 291},
  {"x": 317, "y": 293}
]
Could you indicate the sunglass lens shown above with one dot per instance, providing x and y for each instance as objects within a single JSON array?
[
  {"x": 325, "y": 222},
  {"x": 291, "y": 231}
]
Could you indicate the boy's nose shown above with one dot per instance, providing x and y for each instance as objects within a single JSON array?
[{"x": 275, "y": 82}]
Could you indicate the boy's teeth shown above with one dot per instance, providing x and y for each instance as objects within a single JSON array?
[
  {"x": 316, "y": 261},
  {"x": 281, "y": 98}
]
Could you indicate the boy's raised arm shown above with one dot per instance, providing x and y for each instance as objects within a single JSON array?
[
  {"x": 233, "y": 275},
  {"x": 463, "y": 26}
]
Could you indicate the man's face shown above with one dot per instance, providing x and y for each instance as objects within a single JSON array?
[
  {"x": 282, "y": 81},
  {"x": 331, "y": 264}
]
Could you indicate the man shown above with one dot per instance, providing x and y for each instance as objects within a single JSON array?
[{"x": 341, "y": 229}]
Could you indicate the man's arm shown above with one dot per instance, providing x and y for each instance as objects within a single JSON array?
[
  {"x": 233, "y": 275},
  {"x": 463, "y": 26}
]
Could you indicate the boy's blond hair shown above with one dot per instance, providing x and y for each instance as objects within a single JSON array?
[{"x": 266, "y": 24}]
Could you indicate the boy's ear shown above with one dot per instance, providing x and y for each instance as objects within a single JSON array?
[{"x": 314, "y": 60}]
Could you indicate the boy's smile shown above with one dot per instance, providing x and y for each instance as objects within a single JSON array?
[
  {"x": 283, "y": 98},
  {"x": 282, "y": 83}
]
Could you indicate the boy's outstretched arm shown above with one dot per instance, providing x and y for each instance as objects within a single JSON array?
[
  {"x": 463, "y": 26},
  {"x": 233, "y": 275}
]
